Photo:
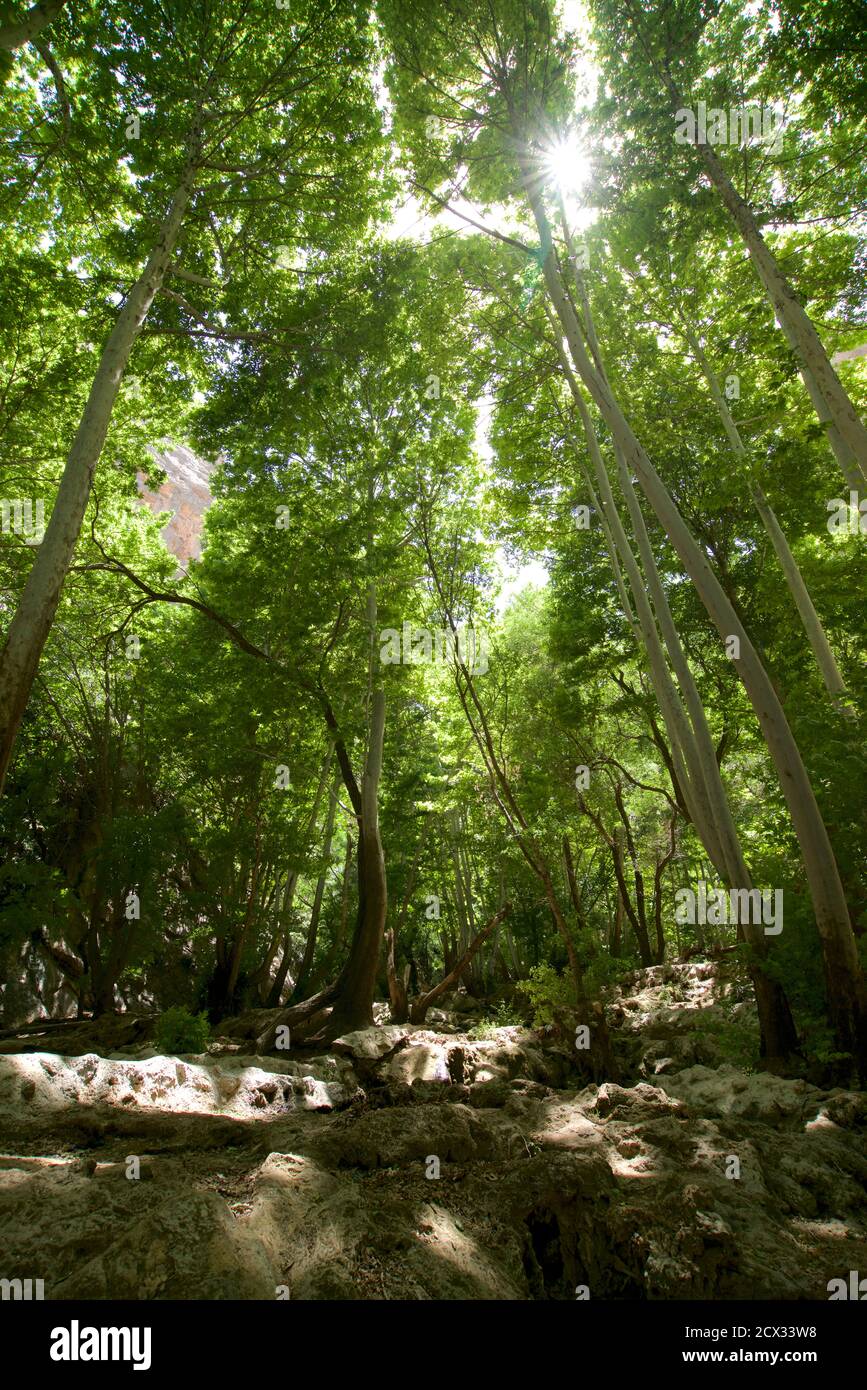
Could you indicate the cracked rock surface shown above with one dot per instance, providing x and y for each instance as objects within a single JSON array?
[{"x": 454, "y": 1168}]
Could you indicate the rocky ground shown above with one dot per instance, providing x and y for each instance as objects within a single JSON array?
[{"x": 316, "y": 1175}]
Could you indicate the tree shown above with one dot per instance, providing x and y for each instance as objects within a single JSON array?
[{"x": 229, "y": 115}]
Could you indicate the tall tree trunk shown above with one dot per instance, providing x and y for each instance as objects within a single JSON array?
[
  {"x": 31, "y": 624},
  {"x": 801, "y": 336},
  {"x": 845, "y": 984},
  {"x": 712, "y": 803},
  {"x": 825, "y": 660},
  {"x": 357, "y": 983},
  {"x": 310, "y": 944},
  {"x": 690, "y": 767}
]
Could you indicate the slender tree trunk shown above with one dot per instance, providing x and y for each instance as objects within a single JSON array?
[
  {"x": 635, "y": 914},
  {"x": 688, "y": 765},
  {"x": 707, "y": 772},
  {"x": 847, "y": 993},
  {"x": 343, "y": 920},
  {"x": 590, "y": 1011},
  {"x": 661, "y": 861},
  {"x": 240, "y": 941},
  {"x": 702, "y": 789},
  {"x": 821, "y": 648},
  {"x": 617, "y": 927},
  {"x": 820, "y": 377},
  {"x": 572, "y": 881},
  {"x": 397, "y": 985},
  {"x": 503, "y": 794},
  {"x": 31, "y": 624},
  {"x": 712, "y": 803},
  {"x": 275, "y": 993},
  {"x": 310, "y": 945},
  {"x": 643, "y": 936}
]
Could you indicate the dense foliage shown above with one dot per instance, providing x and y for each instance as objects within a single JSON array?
[{"x": 214, "y": 772}]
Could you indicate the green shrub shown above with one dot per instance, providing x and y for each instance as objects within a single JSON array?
[
  {"x": 669, "y": 994},
  {"x": 550, "y": 995},
  {"x": 504, "y": 1016},
  {"x": 602, "y": 971},
  {"x": 178, "y": 1030},
  {"x": 735, "y": 1041}
]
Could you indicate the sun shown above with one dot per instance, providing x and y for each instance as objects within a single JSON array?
[{"x": 566, "y": 163}]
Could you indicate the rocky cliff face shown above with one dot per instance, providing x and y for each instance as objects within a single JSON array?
[{"x": 187, "y": 494}]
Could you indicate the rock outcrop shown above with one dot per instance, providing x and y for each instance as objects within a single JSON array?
[
  {"x": 417, "y": 1163},
  {"x": 186, "y": 493}
]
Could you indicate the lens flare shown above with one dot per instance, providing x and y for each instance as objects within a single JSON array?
[{"x": 567, "y": 164}]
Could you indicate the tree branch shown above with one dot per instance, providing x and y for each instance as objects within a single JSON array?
[{"x": 13, "y": 36}]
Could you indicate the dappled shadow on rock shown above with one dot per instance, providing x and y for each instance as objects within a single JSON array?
[{"x": 413, "y": 1163}]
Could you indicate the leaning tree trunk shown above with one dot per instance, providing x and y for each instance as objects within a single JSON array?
[
  {"x": 812, "y": 623},
  {"x": 821, "y": 647},
  {"x": 844, "y": 978},
  {"x": 419, "y": 1007},
  {"x": 701, "y": 781},
  {"x": 687, "y": 764},
  {"x": 709, "y": 791},
  {"x": 32, "y": 622},
  {"x": 846, "y": 432}
]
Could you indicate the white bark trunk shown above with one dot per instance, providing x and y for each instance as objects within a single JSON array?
[
  {"x": 724, "y": 846},
  {"x": 831, "y": 675},
  {"x": 32, "y": 621},
  {"x": 847, "y": 994},
  {"x": 819, "y": 376},
  {"x": 680, "y": 735}
]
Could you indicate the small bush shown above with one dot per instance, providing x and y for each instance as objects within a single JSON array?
[
  {"x": 732, "y": 1040},
  {"x": 178, "y": 1030},
  {"x": 602, "y": 972},
  {"x": 550, "y": 995},
  {"x": 504, "y": 1016},
  {"x": 669, "y": 994}
]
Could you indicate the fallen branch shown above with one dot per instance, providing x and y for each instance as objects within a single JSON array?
[
  {"x": 298, "y": 1014},
  {"x": 420, "y": 1005}
]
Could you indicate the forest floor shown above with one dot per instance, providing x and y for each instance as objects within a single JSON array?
[{"x": 316, "y": 1175}]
